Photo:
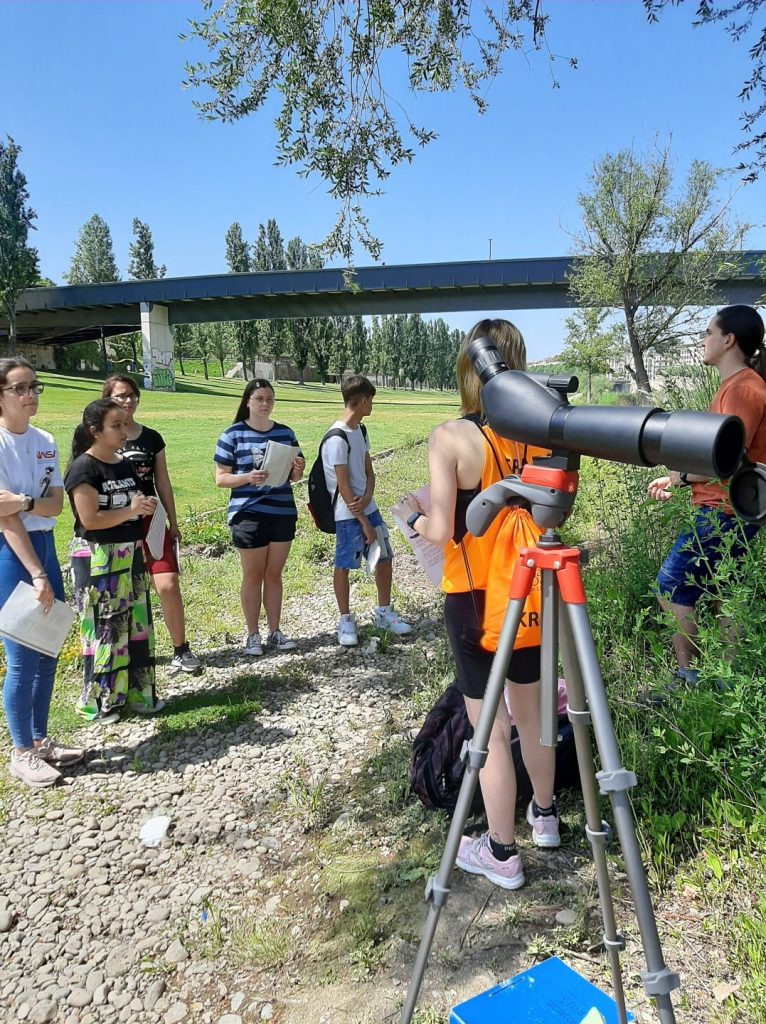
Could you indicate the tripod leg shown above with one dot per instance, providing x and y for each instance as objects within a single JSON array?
[
  {"x": 615, "y": 781},
  {"x": 580, "y": 719},
  {"x": 475, "y": 754}
]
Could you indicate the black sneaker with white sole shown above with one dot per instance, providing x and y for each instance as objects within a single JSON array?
[{"x": 185, "y": 662}]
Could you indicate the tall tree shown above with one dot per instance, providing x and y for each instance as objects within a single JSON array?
[
  {"x": 592, "y": 344},
  {"x": 18, "y": 260},
  {"x": 299, "y": 256},
  {"x": 322, "y": 345},
  {"x": 269, "y": 254},
  {"x": 141, "y": 266},
  {"x": 333, "y": 63},
  {"x": 219, "y": 343},
  {"x": 357, "y": 340},
  {"x": 238, "y": 262},
  {"x": 182, "y": 343},
  {"x": 650, "y": 252},
  {"x": 93, "y": 259},
  {"x": 202, "y": 345}
]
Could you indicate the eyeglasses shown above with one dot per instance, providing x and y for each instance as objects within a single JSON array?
[
  {"x": 126, "y": 398},
  {"x": 22, "y": 390}
]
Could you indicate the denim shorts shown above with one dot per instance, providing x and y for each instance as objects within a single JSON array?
[
  {"x": 693, "y": 559},
  {"x": 350, "y": 543}
]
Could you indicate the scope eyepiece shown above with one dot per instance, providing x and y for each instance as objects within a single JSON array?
[{"x": 486, "y": 359}]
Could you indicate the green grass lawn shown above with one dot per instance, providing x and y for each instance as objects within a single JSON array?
[{"x": 192, "y": 419}]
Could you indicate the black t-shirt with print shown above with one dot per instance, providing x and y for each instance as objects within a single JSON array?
[
  {"x": 115, "y": 483},
  {"x": 143, "y": 454}
]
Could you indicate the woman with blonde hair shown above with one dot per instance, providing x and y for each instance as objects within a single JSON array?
[{"x": 465, "y": 456}]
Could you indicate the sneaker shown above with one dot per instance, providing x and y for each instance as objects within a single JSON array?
[
  {"x": 387, "y": 618},
  {"x": 33, "y": 770},
  {"x": 475, "y": 856},
  {"x": 279, "y": 642},
  {"x": 56, "y": 753},
  {"x": 252, "y": 645},
  {"x": 684, "y": 679},
  {"x": 140, "y": 704},
  {"x": 91, "y": 712},
  {"x": 347, "y": 631},
  {"x": 545, "y": 828},
  {"x": 185, "y": 662}
]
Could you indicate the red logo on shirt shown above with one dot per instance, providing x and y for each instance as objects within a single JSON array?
[{"x": 46, "y": 455}]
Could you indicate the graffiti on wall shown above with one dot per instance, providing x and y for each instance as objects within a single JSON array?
[{"x": 158, "y": 370}]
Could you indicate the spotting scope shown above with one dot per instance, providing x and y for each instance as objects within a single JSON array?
[{"x": 522, "y": 409}]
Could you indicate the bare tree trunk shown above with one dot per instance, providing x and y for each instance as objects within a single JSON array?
[
  {"x": 204, "y": 367},
  {"x": 11, "y": 332},
  {"x": 181, "y": 362},
  {"x": 641, "y": 376}
]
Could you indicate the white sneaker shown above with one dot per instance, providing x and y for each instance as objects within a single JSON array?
[
  {"x": 347, "y": 631},
  {"x": 387, "y": 618},
  {"x": 33, "y": 770},
  {"x": 252, "y": 646}
]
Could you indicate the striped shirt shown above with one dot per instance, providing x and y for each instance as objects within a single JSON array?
[{"x": 241, "y": 449}]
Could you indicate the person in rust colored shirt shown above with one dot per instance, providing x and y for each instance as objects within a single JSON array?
[{"x": 734, "y": 344}]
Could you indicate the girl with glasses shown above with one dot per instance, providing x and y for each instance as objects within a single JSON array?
[
  {"x": 31, "y": 496},
  {"x": 145, "y": 448},
  {"x": 108, "y": 574},
  {"x": 262, "y": 517}
]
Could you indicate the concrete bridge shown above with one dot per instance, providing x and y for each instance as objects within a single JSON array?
[{"x": 85, "y": 312}]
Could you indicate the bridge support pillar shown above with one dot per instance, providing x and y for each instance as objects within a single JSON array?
[{"x": 157, "y": 346}]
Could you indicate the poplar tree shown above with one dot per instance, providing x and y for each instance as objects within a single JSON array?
[
  {"x": 93, "y": 260},
  {"x": 18, "y": 261},
  {"x": 141, "y": 266},
  {"x": 238, "y": 262}
]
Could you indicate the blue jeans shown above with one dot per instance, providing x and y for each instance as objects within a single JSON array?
[
  {"x": 28, "y": 684},
  {"x": 686, "y": 572}
]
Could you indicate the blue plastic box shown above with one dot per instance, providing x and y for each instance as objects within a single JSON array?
[{"x": 549, "y": 993}]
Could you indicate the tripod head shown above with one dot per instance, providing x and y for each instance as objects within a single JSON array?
[{"x": 548, "y": 485}]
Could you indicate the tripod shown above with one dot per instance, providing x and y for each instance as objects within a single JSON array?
[{"x": 549, "y": 485}]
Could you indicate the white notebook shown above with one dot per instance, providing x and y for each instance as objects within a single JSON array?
[
  {"x": 24, "y": 621},
  {"x": 278, "y": 461}
]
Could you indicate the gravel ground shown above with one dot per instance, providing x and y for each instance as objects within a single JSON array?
[{"x": 97, "y": 927}]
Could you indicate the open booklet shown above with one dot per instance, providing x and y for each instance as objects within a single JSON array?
[
  {"x": 24, "y": 621},
  {"x": 278, "y": 461},
  {"x": 429, "y": 556},
  {"x": 375, "y": 550}
]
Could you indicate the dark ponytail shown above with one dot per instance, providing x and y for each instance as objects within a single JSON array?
[
  {"x": 746, "y": 325},
  {"x": 93, "y": 416}
]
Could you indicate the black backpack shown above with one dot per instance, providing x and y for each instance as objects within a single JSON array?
[
  {"x": 436, "y": 771},
  {"x": 321, "y": 505}
]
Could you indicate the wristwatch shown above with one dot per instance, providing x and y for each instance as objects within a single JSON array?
[
  {"x": 27, "y": 503},
  {"x": 412, "y": 519},
  {"x": 683, "y": 480}
]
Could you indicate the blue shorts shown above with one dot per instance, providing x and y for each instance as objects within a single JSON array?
[
  {"x": 692, "y": 561},
  {"x": 350, "y": 544}
]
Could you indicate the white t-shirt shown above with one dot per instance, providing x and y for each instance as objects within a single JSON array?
[
  {"x": 29, "y": 464},
  {"x": 335, "y": 452}
]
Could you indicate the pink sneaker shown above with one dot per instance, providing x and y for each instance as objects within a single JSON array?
[
  {"x": 475, "y": 855},
  {"x": 545, "y": 828}
]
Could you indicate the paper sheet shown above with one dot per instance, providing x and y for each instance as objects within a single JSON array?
[
  {"x": 155, "y": 535},
  {"x": 278, "y": 460},
  {"x": 375, "y": 550},
  {"x": 429, "y": 556},
  {"x": 23, "y": 620}
]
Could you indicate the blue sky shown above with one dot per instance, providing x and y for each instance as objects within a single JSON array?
[{"x": 91, "y": 90}]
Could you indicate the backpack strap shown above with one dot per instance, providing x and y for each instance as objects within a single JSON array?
[{"x": 334, "y": 432}]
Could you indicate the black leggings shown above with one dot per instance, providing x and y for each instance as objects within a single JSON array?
[{"x": 463, "y": 615}]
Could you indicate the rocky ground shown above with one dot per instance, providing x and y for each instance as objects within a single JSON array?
[{"x": 246, "y": 910}]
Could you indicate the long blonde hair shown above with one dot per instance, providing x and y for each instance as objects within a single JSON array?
[{"x": 510, "y": 344}]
